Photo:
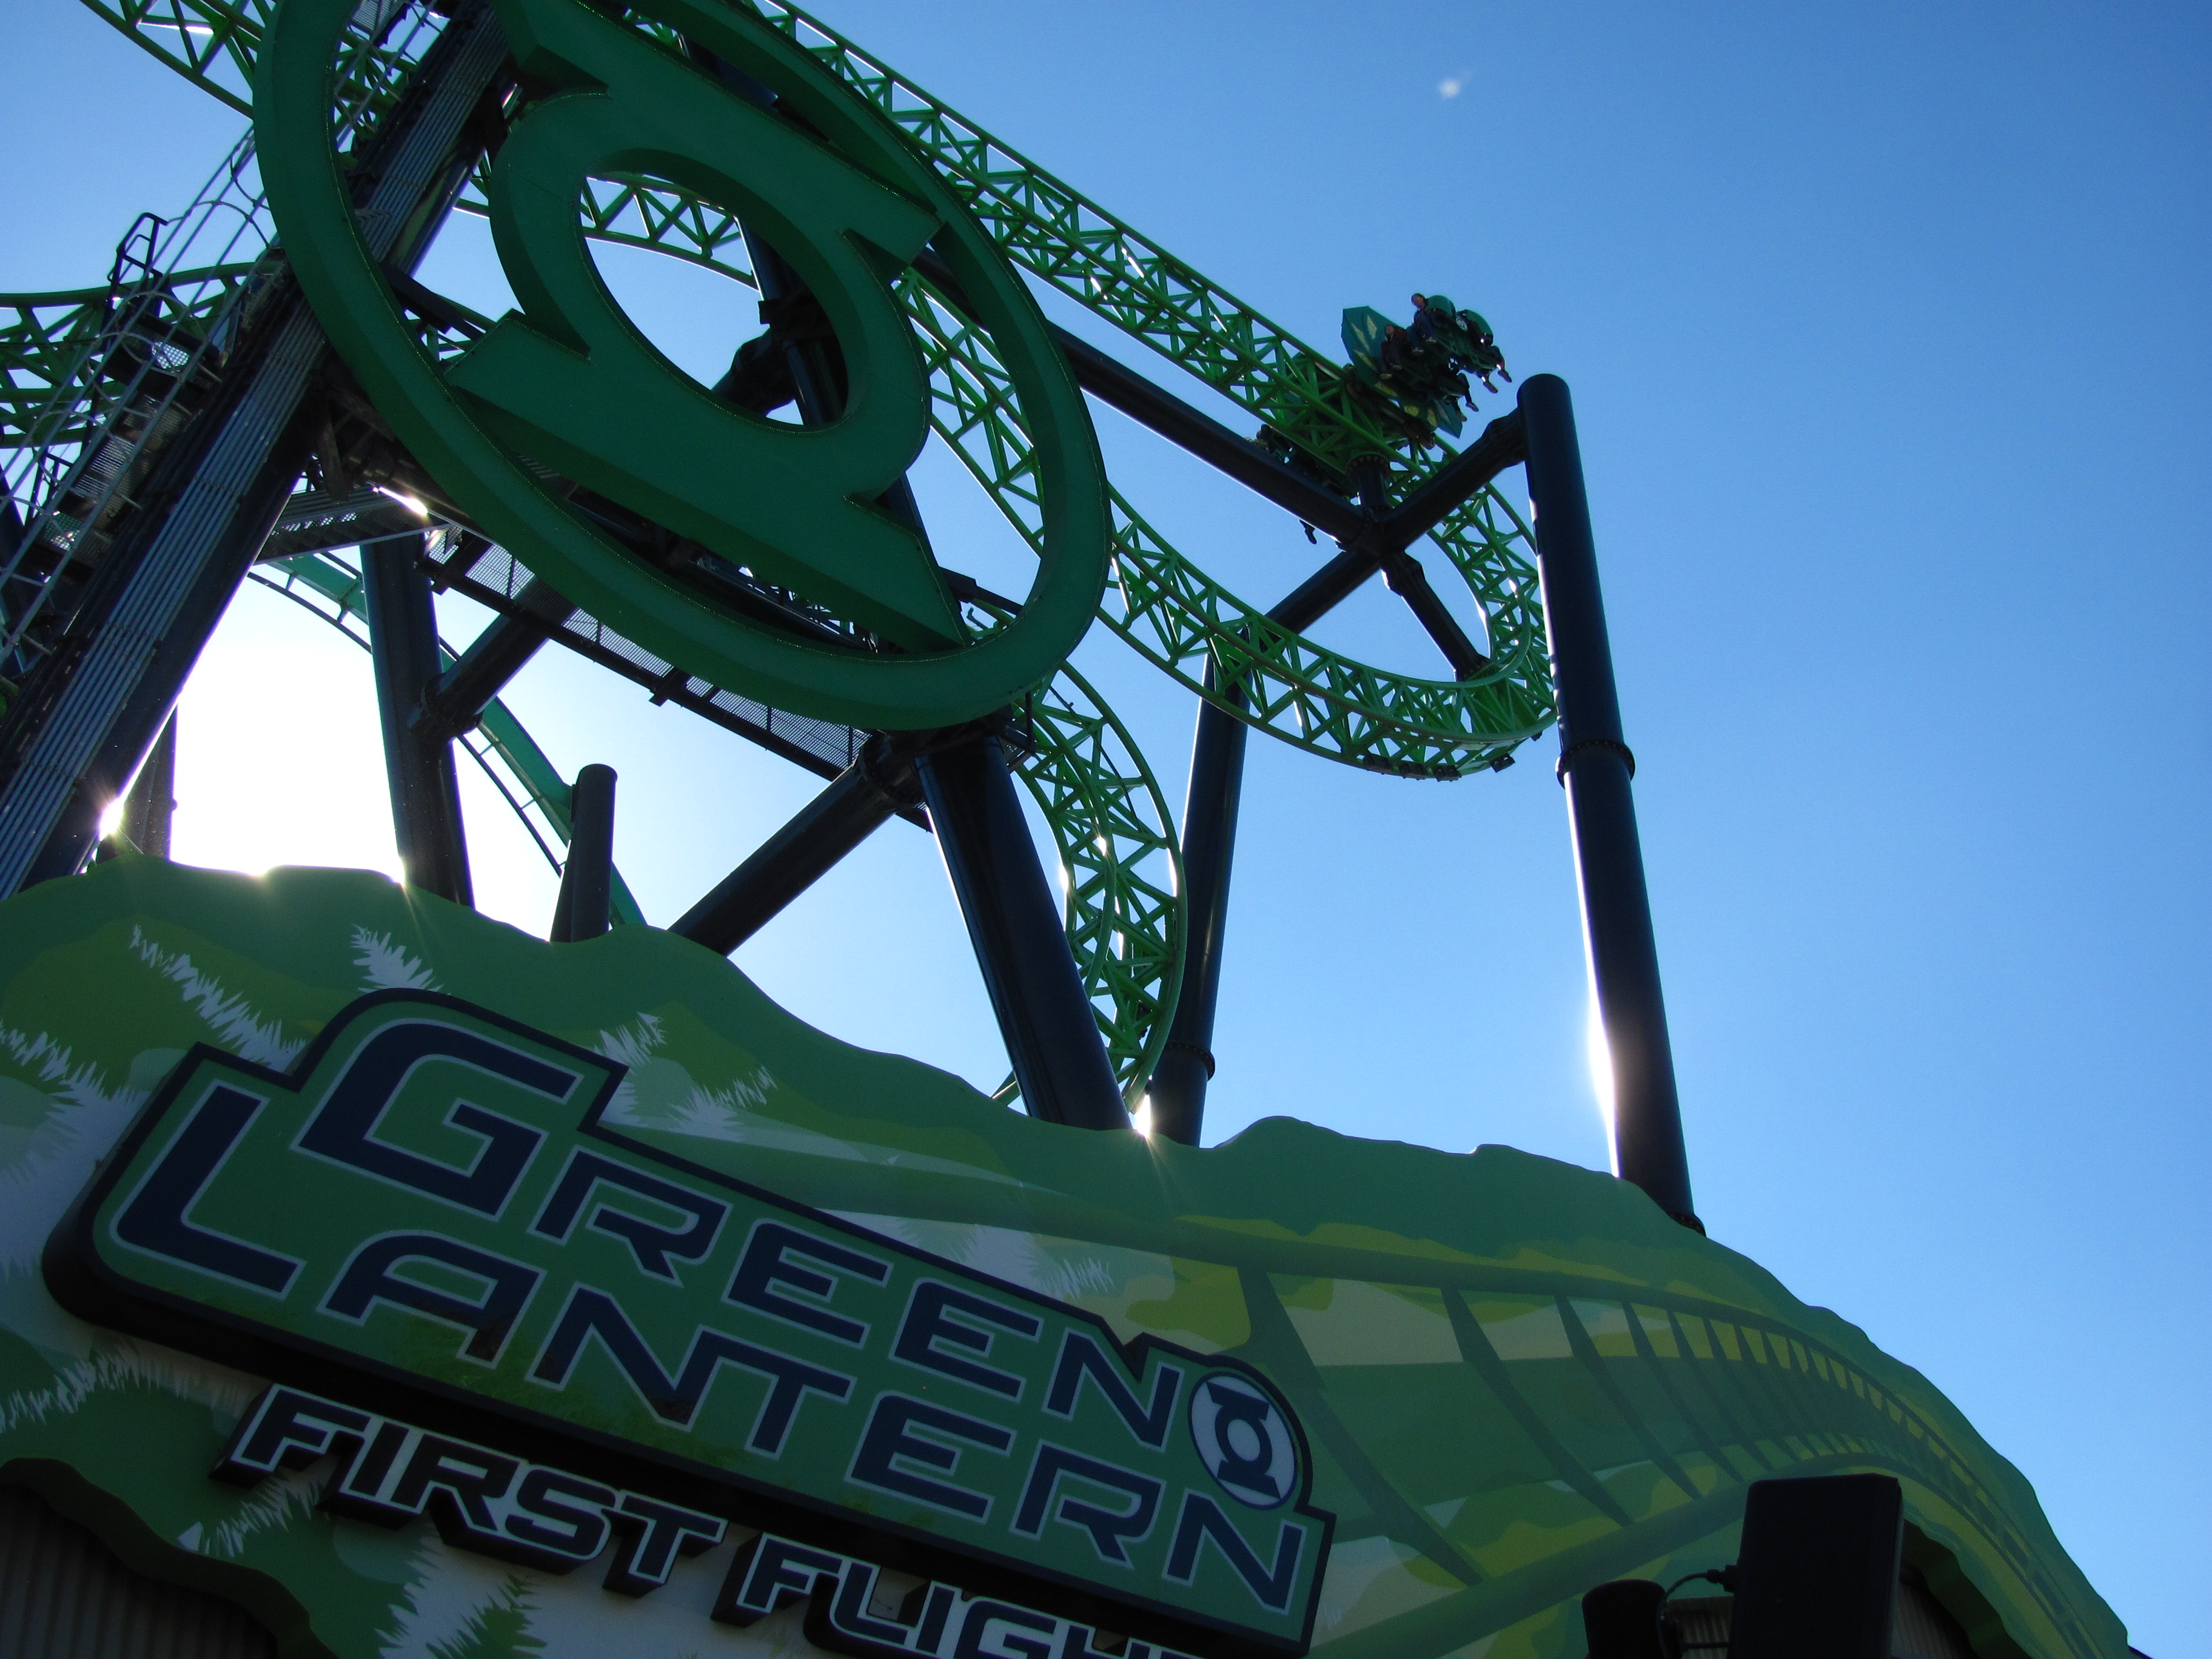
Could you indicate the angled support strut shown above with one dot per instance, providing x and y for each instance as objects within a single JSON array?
[
  {"x": 859, "y": 801},
  {"x": 1013, "y": 920},
  {"x": 456, "y": 699},
  {"x": 1051, "y": 1033}
]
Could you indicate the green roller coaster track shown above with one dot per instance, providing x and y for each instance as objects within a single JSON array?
[{"x": 1119, "y": 857}]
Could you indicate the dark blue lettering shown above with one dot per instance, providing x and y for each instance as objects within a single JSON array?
[
  {"x": 343, "y": 1128},
  {"x": 576, "y": 1510},
  {"x": 942, "y": 1599},
  {"x": 928, "y": 1322},
  {"x": 469, "y": 1480},
  {"x": 652, "y": 1243},
  {"x": 355, "y": 1491},
  {"x": 765, "y": 1266},
  {"x": 1081, "y": 1357},
  {"x": 676, "y": 1399},
  {"x": 368, "y": 1277},
  {"x": 655, "y": 1534},
  {"x": 887, "y": 1440},
  {"x": 1202, "y": 1521},
  {"x": 287, "y": 1430},
  {"x": 155, "y": 1217},
  {"x": 841, "y": 1622},
  {"x": 1108, "y": 1529},
  {"x": 769, "y": 1573}
]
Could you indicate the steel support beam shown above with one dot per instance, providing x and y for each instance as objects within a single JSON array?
[
  {"x": 587, "y": 879},
  {"x": 458, "y": 698},
  {"x": 1114, "y": 382},
  {"x": 1406, "y": 577},
  {"x": 1186, "y": 1065},
  {"x": 1328, "y": 587},
  {"x": 1210, "y": 809},
  {"x": 85, "y": 721},
  {"x": 1597, "y": 767},
  {"x": 858, "y": 802},
  {"x": 1504, "y": 443},
  {"x": 75, "y": 734},
  {"x": 426, "y": 799},
  {"x": 150, "y": 807},
  {"x": 1211, "y": 806},
  {"x": 1013, "y": 921}
]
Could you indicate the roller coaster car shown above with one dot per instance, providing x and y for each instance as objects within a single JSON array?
[{"x": 1424, "y": 369}]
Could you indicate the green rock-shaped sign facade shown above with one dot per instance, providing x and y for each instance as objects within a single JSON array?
[{"x": 571, "y": 1300}]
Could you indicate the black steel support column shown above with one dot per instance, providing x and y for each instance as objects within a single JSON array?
[
  {"x": 1051, "y": 1034},
  {"x": 587, "y": 879},
  {"x": 1013, "y": 921},
  {"x": 426, "y": 800},
  {"x": 859, "y": 801},
  {"x": 1209, "y": 852},
  {"x": 1597, "y": 767},
  {"x": 1186, "y": 1065}
]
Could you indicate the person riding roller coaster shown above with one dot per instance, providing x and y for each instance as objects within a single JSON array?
[
  {"x": 1423, "y": 370},
  {"x": 1464, "y": 334},
  {"x": 1412, "y": 380}
]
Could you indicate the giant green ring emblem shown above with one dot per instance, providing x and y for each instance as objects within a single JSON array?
[{"x": 569, "y": 382}]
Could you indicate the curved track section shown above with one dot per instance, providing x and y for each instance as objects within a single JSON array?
[
  {"x": 1120, "y": 869},
  {"x": 1184, "y": 621}
]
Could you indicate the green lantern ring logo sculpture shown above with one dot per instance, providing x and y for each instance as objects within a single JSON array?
[{"x": 570, "y": 382}]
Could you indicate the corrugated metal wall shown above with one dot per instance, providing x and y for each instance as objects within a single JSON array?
[
  {"x": 1919, "y": 1628},
  {"x": 1923, "y": 1629},
  {"x": 63, "y": 1594}
]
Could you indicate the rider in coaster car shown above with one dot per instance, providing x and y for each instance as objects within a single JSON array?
[{"x": 1463, "y": 334}]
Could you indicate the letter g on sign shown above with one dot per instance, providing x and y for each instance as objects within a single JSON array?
[{"x": 568, "y": 382}]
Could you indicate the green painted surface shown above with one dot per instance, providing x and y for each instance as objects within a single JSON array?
[
  {"x": 571, "y": 382},
  {"x": 1517, "y": 1377}
]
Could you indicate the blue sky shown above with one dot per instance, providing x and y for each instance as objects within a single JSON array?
[{"x": 1887, "y": 327}]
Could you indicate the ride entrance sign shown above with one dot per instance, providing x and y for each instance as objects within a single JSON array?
[
  {"x": 428, "y": 1289},
  {"x": 567, "y": 382},
  {"x": 428, "y": 1217}
]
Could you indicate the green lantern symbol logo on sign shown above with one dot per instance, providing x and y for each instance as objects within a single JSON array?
[{"x": 568, "y": 383}]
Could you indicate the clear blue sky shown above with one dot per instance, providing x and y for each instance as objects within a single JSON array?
[{"x": 1887, "y": 330}]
